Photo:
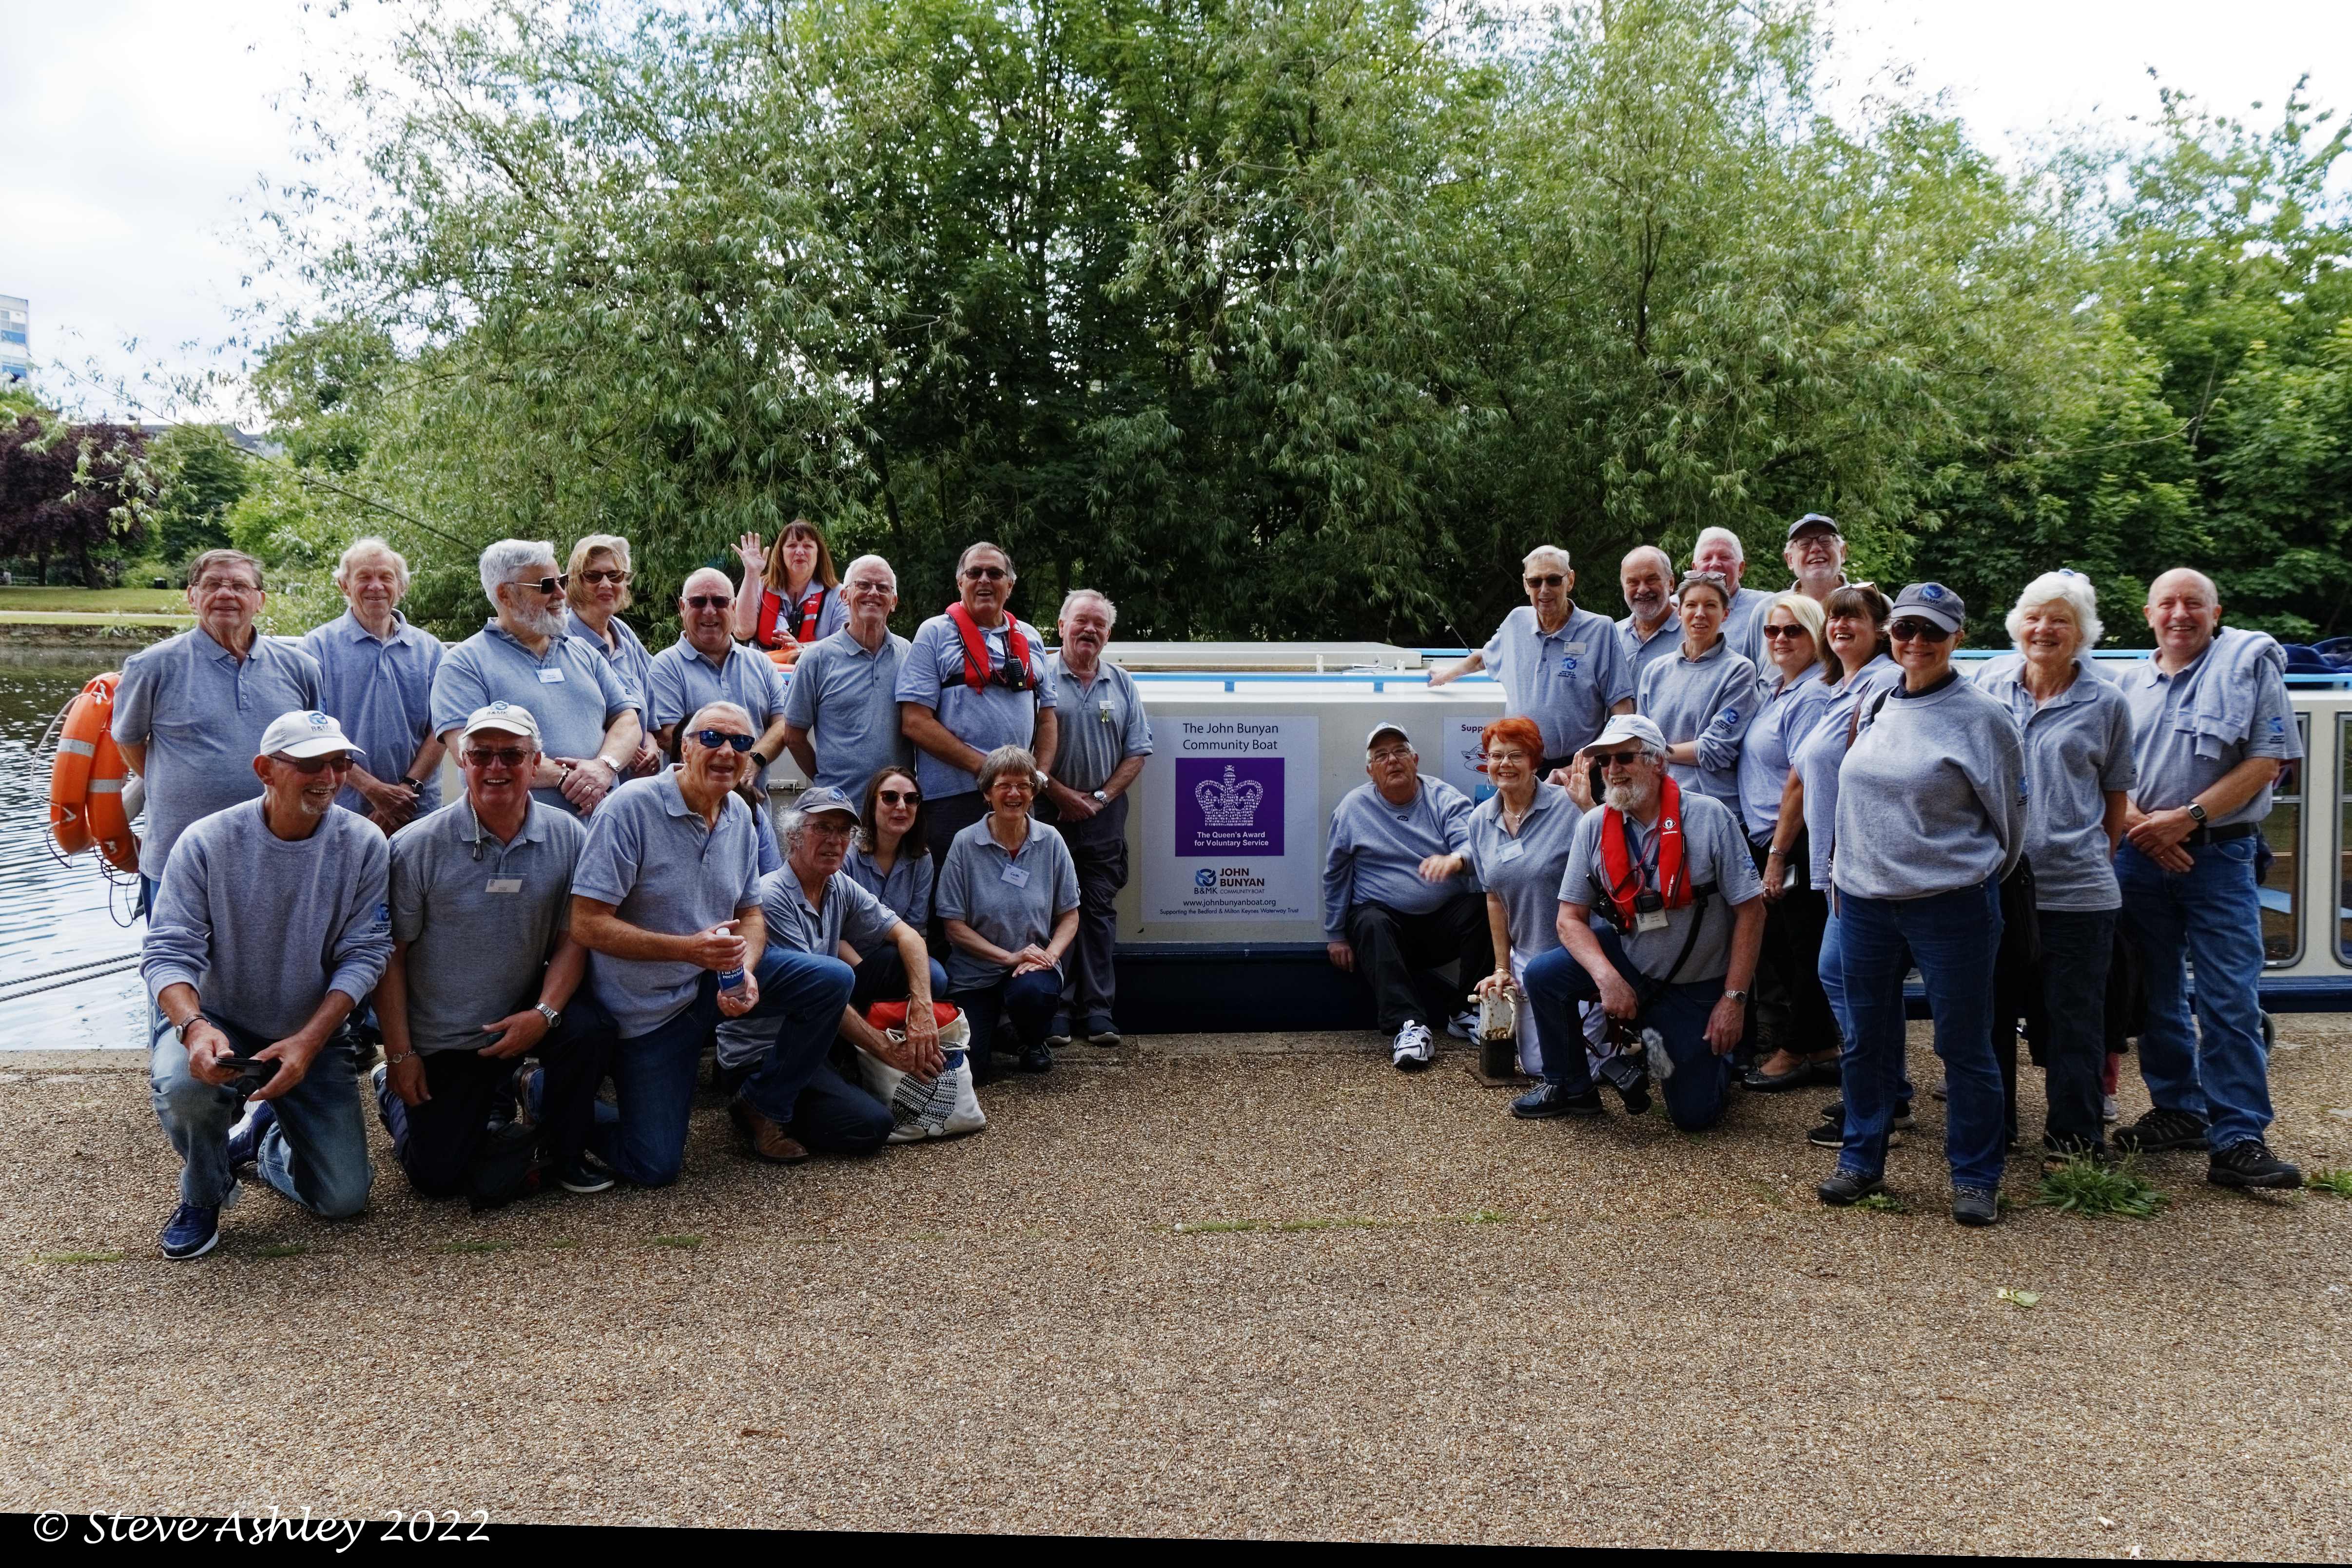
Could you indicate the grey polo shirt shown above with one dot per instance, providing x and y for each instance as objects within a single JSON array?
[
  {"x": 1641, "y": 653},
  {"x": 905, "y": 890},
  {"x": 1709, "y": 700},
  {"x": 846, "y": 700},
  {"x": 1102, "y": 725},
  {"x": 1375, "y": 852},
  {"x": 1743, "y": 626},
  {"x": 2078, "y": 746},
  {"x": 932, "y": 674},
  {"x": 848, "y": 914},
  {"x": 1821, "y": 752},
  {"x": 2176, "y": 761},
  {"x": 649, "y": 855},
  {"x": 481, "y": 918},
  {"x": 1525, "y": 871},
  {"x": 1784, "y": 716},
  {"x": 265, "y": 928},
  {"x": 684, "y": 681},
  {"x": 1714, "y": 849},
  {"x": 571, "y": 690},
  {"x": 626, "y": 652},
  {"x": 1012, "y": 900},
  {"x": 1566, "y": 682},
  {"x": 200, "y": 711},
  {"x": 381, "y": 690}
]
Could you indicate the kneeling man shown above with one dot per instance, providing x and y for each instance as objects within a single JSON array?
[
  {"x": 270, "y": 929},
  {"x": 1661, "y": 914},
  {"x": 667, "y": 898},
  {"x": 812, "y": 907},
  {"x": 484, "y": 970}
]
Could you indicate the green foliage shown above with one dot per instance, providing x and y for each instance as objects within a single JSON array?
[
  {"x": 2090, "y": 1188},
  {"x": 2335, "y": 1183},
  {"x": 199, "y": 475}
]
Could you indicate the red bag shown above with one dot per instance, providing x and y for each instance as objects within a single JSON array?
[{"x": 893, "y": 1015}]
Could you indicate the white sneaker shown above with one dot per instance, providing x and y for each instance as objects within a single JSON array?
[
  {"x": 1413, "y": 1049},
  {"x": 2108, "y": 1109},
  {"x": 1464, "y": 1025}
]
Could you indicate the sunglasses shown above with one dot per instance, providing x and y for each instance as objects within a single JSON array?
[
  {"x": 713, "y": 739},
  {"x": 1917, "y": 632},
  {"x": 709, "y": 601},
  {"x": 1623, "y": 759},
  {"x": 614, "y": 576},
  {"x": 312, "y": 766},
  {"x": 509, "y": 756},
  {"x": 1547, "y": 579},
  {"x": 1786, "y": 632},
  {"x": 984, "y": 573},
  {"x": 897, "y": 797},
  {"x": 550, "y": 586}
]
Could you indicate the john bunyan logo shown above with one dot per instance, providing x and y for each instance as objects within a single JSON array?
[
  {"x": 1228, "y": 879},
  {"x": 1206, "y": 879}
]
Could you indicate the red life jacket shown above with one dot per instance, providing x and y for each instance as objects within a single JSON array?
[
  {"x": 772, "y": 606},
  {"x": 975, "y": 650},
  {"x": 1617, "y": 859}
]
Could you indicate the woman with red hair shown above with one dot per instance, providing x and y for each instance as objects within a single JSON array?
[{"x": 1520, "y": 839}]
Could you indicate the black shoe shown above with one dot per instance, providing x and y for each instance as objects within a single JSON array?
[
  {"x": 1102, "y": 1031},
  {"x": 1847, "y": 1188},
  {"x": 1902, "y": 1122},
  {"x": 2248, "y": 1162},
  {"x": 2160, "y": 1130},
  {"x": 1038, "y": 1059},
  {"x": 983, "y": 1069},
  {"x": 1832, "y": 1134},
  {"x": 1756, "y": 1080},
  {"x": 1635, "y": 1094},
  {"x": 1058, "y": 1035},
  {"x": 1974, "y": 1207},
  {"x": 1546, "y": 1100},
  {"x": 585, "y": 1174}
]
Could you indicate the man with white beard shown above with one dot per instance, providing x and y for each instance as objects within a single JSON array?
[
  {"x": 587, "y": 719},
  {"x": 1651, "y": 629}
]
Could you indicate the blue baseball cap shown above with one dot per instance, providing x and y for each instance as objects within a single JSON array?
[
  {"x": 819, "y": 799},
  {"x": 1932, "y": 602}
]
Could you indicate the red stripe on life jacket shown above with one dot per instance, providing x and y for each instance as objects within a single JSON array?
[
  {"x": 1617, "y": 858},
  {"x": 975, "y": 648},
  {"x": 771, "y": 634}
]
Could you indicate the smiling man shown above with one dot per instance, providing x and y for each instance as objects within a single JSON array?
[
  {"x": 706, "y": 665},
  {"x": 375, "y": 676},
  {"x": 1651, "y": 629},
  {"x": 270, "y": 927},
  {"x": 1720, "y": 551},
  {"x": 841, "y": 705},
  {"x": 1816, "y": 555},
  {"x": 1561, "y": 666}
]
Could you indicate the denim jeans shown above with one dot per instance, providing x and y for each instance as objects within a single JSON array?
[
  {"x": 1694, "y": 1095},
  {"x": 316, "y": 1154},
  {"x": 440, "y": 1144},
  {"x": 1030, "y": 998},
  {"x": 1832, "y": 977},
  {"x": 2210, "y": 915},
  {"x": 1952, "y": 936}
]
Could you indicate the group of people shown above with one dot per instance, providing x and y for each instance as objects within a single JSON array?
[
  {"x": 611, "y": 895},
  {"x": 1722, "y": 831},
  {"x": 1725, "y": 829}
]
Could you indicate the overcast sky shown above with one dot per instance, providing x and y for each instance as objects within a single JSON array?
[{"x": 133, "y": 128}]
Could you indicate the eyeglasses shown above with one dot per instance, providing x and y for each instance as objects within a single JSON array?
[
  {"x": 857, "y": 586},
  {"x": 984, "y": 573},
  {"x": 1786, "y": 632},
  {"x": 897, "y": 797},
  {"x": 550, "y": 586},
  {"x": 312, "y": 766},
  {"x": 713, "y": 739},
  {"x": 1908, "y": 630},
  {"x": 216, "y": 584},
  {"x": 709, "y": 601},
  {"x": 613, "y": 576},
  {"x": 1546, "y": 579},
  {"x": 1494, "y": 757},
  {"x": 1392, "y": 754},
  {"x": 830, "y": 826},
  {"x": 507, "y": 756}
]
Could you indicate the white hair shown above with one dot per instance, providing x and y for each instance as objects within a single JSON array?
[
  {"x": 694, "y": 719},
  {"x": 1546, "y": 554},
  {"x": 1110, "y": 611},
  {"x": 358, "y": 549},
  {"x": 1665, "y": 562},
  {"x": 877, "y": 561},
  {"x": 2071, "y": 589},
  {"x": 504, "y": 558},
  {"x": 1709, "y": 535}
]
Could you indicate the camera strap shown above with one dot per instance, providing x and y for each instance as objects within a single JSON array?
[{"x": 975, "y": 652}]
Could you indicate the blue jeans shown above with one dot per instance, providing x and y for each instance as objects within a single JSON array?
[
  {"x": 1832, "y": 977},
  {"x": 1694, "y": 1095},
  {"x": 316, "y": 1154},
  {"x": 1953, "y": 938},
  {"x": 2209, "y": 915},
  {"x": 1032, "y": 1000}
]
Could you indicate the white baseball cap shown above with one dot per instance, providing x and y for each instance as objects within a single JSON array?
[
  {"x": 506, "y": 718},
  {"x": 1623, "y": 727},
  {"x": 1386, "y": 728},
  {"x": 305, "y": 733}
]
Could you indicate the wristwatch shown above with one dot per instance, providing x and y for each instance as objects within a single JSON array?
[
  {"x": 1101, "y": 799},
  {"x": 416, "y": 784},
  {"x": 2196, "y": 813},
  {"x": 180, "y": 1029},
  {"x": 553, "y": 1016},
  {"x": 1739, "y": 997},
  {"x": 759, "y": 760}
]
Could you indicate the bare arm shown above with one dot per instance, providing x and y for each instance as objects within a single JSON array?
[
  {"x": 2151, "y": 832},
  {"x": 2118, "y": 817},
  {"x": 1046, "y": 739},
  {"x": 595, "y": 927},
  {"x": 1617, "y": 998},
  {"x": 1498, "y": 931},
  {"x": 772, "y": 741},
  {"x": 796, "y": 742},
  {"x": 1447, "y": 675},
  {"x": 134, "y": 752}
]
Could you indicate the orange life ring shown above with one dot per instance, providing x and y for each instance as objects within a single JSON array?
[
  {"x": 786, "y": 654},
  {"x": 86, "y": 778}
]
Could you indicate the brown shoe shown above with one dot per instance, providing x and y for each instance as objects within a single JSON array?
[{"x": 767, "y": 1141}]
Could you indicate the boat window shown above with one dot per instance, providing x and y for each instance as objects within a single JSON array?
[{"x": 2281, "y": 891}]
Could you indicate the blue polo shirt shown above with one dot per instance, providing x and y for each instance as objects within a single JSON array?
[
  {"x": 2078, "y": 747},
  {"x": 200, "y": 711},
  {"x": 571, "y": 689},
  {"x": 1011, "y": 899},
  {"x": 1567, "y": 680},
  {"x": 2186, "y": 738},
  {"x": 626, "y": 652},
  {"x": 381, "y": 690},
  {"x": 651, "y": 857},
  {"x": 845, "y": 699},
  {"x": 931, "y": 674},
  {"x": 684, "y": 681},
  {"x": 1103, "y": 725}
]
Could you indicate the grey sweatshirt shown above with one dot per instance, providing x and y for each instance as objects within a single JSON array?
[
  {"x": 265, "y": 928},
  {"x": 1707, "y": 700},
  {"x": 1376, "y": 851},
  {"x": 1931, "y": 798}
]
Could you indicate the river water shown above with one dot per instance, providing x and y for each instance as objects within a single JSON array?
[{"x": 54, "y": 914}]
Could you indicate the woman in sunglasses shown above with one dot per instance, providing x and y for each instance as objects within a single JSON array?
[
  {"x": 791, "y": 595},
  {"x": 890, "y": 858},
  {"x": 1009, "y": 895},
  {"x": 1930, "y": 818},
  {"x": 593, "y": 600},
  {"x": 1700, "y": 699}
]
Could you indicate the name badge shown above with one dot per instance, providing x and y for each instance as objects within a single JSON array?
[
  {"x": 1577, "y": 648},
  {"x": 1104, "y": 711},
  {"x": 549, "y": 675},
  {"x": 1017, "y": 875},
  {"x": 1512, "y": 851},
  {"x": 1650, "y": 920},
  {"x": 505, "y": 884}
]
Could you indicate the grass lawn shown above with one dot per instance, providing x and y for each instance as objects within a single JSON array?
[{"x": 103, "y": 601}]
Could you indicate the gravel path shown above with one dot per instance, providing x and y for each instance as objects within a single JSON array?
[{"x": 1213, "y": 1287}]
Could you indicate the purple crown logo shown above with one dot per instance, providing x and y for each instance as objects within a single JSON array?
[{"x": 1227, "y": 804}]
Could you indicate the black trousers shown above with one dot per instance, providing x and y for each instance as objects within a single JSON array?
[
  {"x": 446, "y": 1146},
  {"x": 1099, "y": 850},
  {"x": 1791, "y": 1011},
  {"x": 1392, "y": 945},
  {"x": 2063, "y": 999}
]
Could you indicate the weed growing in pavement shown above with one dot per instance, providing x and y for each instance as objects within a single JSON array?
[
  {"x": 1882, "y": 1203},
  {"x": 2084, "y": 1185},
  {"x": 683, "y": 1243},
  {"x": 115, "y": 1256},
  {"x": 2336, "y": 1183}
]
